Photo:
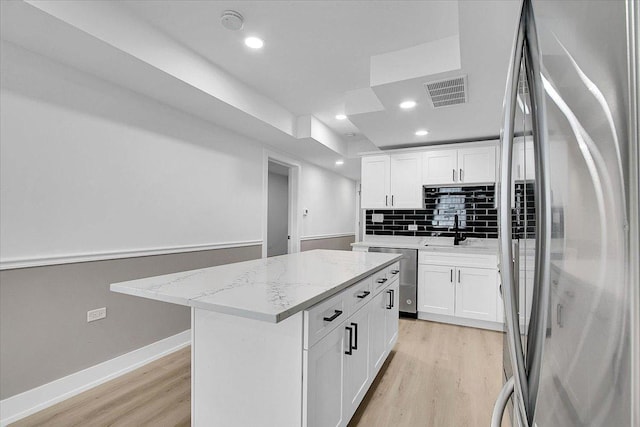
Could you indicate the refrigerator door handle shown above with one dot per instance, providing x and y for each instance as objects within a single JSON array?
[
  {"x": 501, "y": 403},
  {"x": 514, "y": 341},
  {"x": 539, "y": 308}
]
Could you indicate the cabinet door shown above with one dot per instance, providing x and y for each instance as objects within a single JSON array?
[
  {"x": 406, "y": 181},
  {"x": 476, "y": 293},
  {"x": 377, "y": 340},
  {"x": 376, "y": 192},
  {"x": 356, "y": 364},
  {"x": 436, "y": 289},
  {"x": 391, "y": 315},
  {"x": 324, "y": 384},
  {"x": 523, "y": 160},
  {"x": 439, "y": 167},
  {"x": 477, "y": 165}
]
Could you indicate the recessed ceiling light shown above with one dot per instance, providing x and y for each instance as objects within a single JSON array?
[
  {"x": 339, "y": 162},
  {"x": 421, "y": 132},
  {"x": 407, "y": 105},
  {"x": 340, "y": 116},
  {"x": 254, "y": 42}
]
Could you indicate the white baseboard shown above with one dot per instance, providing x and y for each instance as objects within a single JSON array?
[
  {"x": 21, "y": 405},
  {"x": 461, "y": 321}
]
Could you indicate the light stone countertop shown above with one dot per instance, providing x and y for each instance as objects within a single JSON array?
[
  {"x": 432, "y": 244},
  {"x": 268, "y": 289}
]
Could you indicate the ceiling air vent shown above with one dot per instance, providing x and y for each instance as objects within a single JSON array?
[{"x": 443, "y": 93}]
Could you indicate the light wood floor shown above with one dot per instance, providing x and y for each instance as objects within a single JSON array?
[{"x": 438, "y": 376}]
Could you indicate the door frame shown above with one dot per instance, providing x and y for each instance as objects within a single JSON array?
[{"x": 295, "y": 215}]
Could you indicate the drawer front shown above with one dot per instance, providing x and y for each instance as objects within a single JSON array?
[
  {"x": 358, "y": 295},
  {"x": 380, "y": 280},
  {"x": 323, "y": 317},
  {"x": 457, "y": 259},
  {"x": 393, "y": 271}
]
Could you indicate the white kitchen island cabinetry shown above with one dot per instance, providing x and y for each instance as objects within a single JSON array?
[{"x": 271, "y": 337}]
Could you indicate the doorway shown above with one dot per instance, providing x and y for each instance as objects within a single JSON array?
[
  {"x": 277, "y": 209},
  {"x": 280, "y": 234}
]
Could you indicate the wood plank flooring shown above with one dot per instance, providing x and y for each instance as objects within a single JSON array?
[{"x": 438, "y": 376}]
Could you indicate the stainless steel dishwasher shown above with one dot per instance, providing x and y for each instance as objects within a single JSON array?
[{"x": 408, "y": 279}]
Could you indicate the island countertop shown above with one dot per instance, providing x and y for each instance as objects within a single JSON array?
[{"x": 269, "y": 289}]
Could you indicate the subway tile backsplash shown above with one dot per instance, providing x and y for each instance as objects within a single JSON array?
[
  {"x": 475, "y": 209},
  {"x": 473, "y": 205}
]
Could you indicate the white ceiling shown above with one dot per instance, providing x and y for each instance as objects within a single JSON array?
[{"x": 316, "y": 51}]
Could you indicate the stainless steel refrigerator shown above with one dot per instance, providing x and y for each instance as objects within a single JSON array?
[{"x": 568, "y": 204}]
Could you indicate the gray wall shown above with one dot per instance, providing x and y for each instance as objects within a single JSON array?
[
  {"x": 278, "y": 216},
  {"x": 44, "y": 334},
  {"x": 337, "y": 243}
]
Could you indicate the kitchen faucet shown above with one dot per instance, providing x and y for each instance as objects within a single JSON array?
[{"x": 457, "y": 238}]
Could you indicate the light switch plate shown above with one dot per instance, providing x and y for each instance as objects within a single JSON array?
[
  {"x": 97, "y": 314},
  {"x": 377, "y": 217},
  {"x": 413, "y": 227}
]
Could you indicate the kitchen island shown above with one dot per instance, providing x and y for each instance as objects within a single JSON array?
[{"x": 294, "y": 340}]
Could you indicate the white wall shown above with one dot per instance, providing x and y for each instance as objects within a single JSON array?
[
  {"x": 89, "y": 167},
  {"x": 330, "y": 199}
]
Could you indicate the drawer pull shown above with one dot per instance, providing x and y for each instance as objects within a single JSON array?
[
  {"x": 350, "y": 330},
  {"x": 334, "y": 317},
  {"x": 394, "y": 272},
  {"x": 382, "y": 280},
  {"x": 364, "y": 294},
  {"x": 355, "y": 335}
]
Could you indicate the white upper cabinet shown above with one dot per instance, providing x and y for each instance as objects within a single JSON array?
[
  {"x": 523, "y": 160},
  {"x": 439, "y": 167},
  {"x": 376, "y": 183},
  {"x": 406, "y": 188},
  {"x": 477, "y": 165},
  {"x": 392, "y": 181},
  {"x": 474, "y": 165}
]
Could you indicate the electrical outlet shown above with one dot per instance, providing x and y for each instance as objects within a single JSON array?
[
  {"x": 377, "y": 218},
  {"x": 97, "y": 314},
  {"x": 413, "y": 227}
]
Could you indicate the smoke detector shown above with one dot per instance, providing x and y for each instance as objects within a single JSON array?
[
  {"x": 451, "y": 91},
  {"x": 232, "y": 20}
]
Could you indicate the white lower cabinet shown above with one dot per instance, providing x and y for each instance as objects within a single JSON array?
[
  {"x": 342, "y": 365},
  {"x": 436, "y": 290},
  {"x": 324, "y": 382},
  {"x": 458, "y": 286},
  {"x": 476, "y": 293},
  {"x": 391, "y": 315},
  {"x": 356, "y": 360}
]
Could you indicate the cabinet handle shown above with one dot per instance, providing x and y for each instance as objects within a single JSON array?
[
  {"x": 454, "y": 175},
  {"x": 458, "y": 276},
  {"x": 518, "y": 171},
  {"x": 451, "y": 275},
  {"x": 393, "y": 298},
  {"x": 386, "y": 200},
  {"x": 460, "y": 175},
  {"x": 355, "y": 333},
  {"x": 559, "y": 315},
  {"x": 390, "y": 305},
  {"x": 392, "y": 200},
  {"x": 334, "y": 317},
  {"x": 350, "y": 330},
  {"x": 384, "y": 279},
  {"x": 394, "y": 272},
  {"x": 363, "y": 295}
]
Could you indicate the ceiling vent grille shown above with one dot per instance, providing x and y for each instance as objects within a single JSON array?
[{"x": 443, "y": 93}]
